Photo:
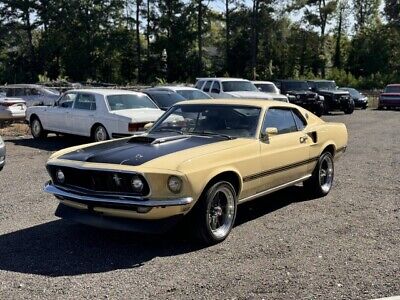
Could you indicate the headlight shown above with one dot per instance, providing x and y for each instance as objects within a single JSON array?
[
  {"x": 174, "y": 184},
  {"x": 60, "y": 176},
  {"x": 137, "y": 184}
]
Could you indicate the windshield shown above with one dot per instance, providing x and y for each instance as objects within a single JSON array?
[
  {"x": 209, "y": 119},
  {"x": 392, "y": 89},
  {"x": 238, "y": 86},
  {"x": 129, "y": 101},
  {"x": 193, "y": 94},
  {"x": 295, "y": 86},
  {"x": 166, "y": 100},
  {"x": 353, "y": 92},
  {"x": 266, "y": 87},
  {"x": 326, "y": 85}
]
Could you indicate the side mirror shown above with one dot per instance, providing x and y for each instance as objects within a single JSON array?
[
  {"x": 148, "y": 126},
  {"x": 269, "y": 131}
]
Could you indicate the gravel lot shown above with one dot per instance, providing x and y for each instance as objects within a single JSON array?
[{"x": 343, "y": 246}]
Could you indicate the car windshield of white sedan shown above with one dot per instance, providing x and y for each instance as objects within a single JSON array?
[
  {"x": 129, "y": 101},
  {"x": 227, "y": 121},
  {"x": 239, "y": 86},
  {"x": 193, "y": 94}
]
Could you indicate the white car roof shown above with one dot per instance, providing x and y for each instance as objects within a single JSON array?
[
  {"x": 107, "y": 92},
  {"x": 222, "y": 79},
  {"x": 174, "y": 88},
  {"x": 263, "y": 82}
]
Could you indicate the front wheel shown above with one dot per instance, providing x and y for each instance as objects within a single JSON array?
[
  {"x": 320, "y": 183},
  {"x": 100, "y": 134},
  {"x": 37, "y": 129},
  {"x": 216, "y": 213},
  {"x": 319, "y": 111},
  {"x": 349, "y": 109}
]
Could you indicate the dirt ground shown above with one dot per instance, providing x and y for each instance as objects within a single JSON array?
[{"x": 284, "y": 246}]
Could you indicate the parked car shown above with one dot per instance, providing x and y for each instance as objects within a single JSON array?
[
  {"x": 359, "y": 99},
  {"x": 97, "y": 113},
  {"x": 2, "y": 154},
  {"x": 200, "y": 159},
  {"x": 164, "y": 99},
  {"x": 390, "y": 97},
  {"x": 298, "y": 92},
  {"x": 33, "y": 94},
  {"x": 186, "y": 92},
  {"x": 334, "y": 99},
  {"x": 266, "y": 86},
  {"x": 234, "y": 88},
  {"x": 12, "y": 109}
]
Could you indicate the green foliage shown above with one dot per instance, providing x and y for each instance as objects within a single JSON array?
[{"x": 95, "y": 40}]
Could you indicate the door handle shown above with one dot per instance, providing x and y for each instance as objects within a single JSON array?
[{"x": 303, "y": 139}]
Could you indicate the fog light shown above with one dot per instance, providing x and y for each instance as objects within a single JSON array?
[
  {"x": 143, "y": 209},
  {"x": 174, "y": 184},
  {"x": 60, "y": 176},
  {"x": 137, "y": 184}
]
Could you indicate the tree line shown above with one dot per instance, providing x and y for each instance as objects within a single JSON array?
[{"x": 355, "y": 42}]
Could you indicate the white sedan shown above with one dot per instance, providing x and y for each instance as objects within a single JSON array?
[
  {"x": 12, "y": 109},
  {"x": 97, "y": 113}
]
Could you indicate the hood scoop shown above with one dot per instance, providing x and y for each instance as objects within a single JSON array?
[{"x": 144, "y": 139}]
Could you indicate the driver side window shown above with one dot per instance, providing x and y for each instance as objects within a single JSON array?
[
  {"x": 281, "y": 119},
  {"x": 67, "y": 100}
]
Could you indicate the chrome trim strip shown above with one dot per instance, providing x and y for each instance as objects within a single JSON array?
[
  {"x": 137, "y": 201},
  {"x": 274, "y": 189}
]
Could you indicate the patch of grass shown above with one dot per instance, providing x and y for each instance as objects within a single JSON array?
[{"x": 14, "y": 129}]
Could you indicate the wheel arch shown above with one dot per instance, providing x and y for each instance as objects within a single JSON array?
[
  {"x": 329, "y": 147},
  {"x": 230, "y": 175},
  {"x": 94, "y": 126}
]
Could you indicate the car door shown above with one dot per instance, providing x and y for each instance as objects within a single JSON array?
[
  {"x": 285, "y": 155},
  {"x": 83, "y": 113},
  {"x": 59, "y": 115}
]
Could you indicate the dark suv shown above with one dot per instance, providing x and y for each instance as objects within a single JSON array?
[
  {"x": 334, "y": 99},
  {"x": 298, "y": 92}
]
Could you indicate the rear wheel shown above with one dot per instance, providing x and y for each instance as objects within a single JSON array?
[
  {"x": 100, "y": 134},
  {"x": 37, "y": 129},
  {"x": 216, "y": 213},
  {"x": 320, "y": 183}
]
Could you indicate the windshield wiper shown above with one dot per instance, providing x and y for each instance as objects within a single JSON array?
[
  {"x": 169, "y": 130},
  {"x": 228, "y": 137}
]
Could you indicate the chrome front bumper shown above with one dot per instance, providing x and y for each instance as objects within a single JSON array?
[{"x": 65, "y": 194}]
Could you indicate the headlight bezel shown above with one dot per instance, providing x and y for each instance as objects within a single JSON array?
[{"x": 174, "y": 184}]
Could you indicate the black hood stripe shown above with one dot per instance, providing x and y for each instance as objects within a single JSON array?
[{"x": 126, "y": 152}]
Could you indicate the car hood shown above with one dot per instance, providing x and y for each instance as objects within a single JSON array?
[
  {"x": 391, "y": 94},
  {"x": 148, "y": 148},
  {"x": 251, "y": 95},
  {"x": 139, "y": 115},
  {"x": 335, "y": 92}
]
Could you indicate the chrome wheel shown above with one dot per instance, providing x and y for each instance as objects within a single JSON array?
[
  {"x": 221, "y": 211},
  {"x": 326, "y": 173},
  {"x": 100, "y": 134}
]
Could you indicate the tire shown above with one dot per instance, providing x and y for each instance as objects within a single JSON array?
[
  {"x": 100, "y": 134},
  {"x": 215, "y": 213},
  {"x": 37, "y": 129},
  {"x": 319, "y": 111},
  {"x": 326, "y": 108},
  {"x": 350, "y": 109},
  {"x": 321, "y": 180}
]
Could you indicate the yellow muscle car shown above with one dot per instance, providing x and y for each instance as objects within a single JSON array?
[{"x": 200, "y": 160}]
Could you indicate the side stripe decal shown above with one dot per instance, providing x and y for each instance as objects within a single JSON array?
[{"x": 280, "y": 169}]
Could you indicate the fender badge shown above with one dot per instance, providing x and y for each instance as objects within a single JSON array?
[{"x": 138, "y": 156}]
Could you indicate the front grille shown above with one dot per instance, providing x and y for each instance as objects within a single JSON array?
[{"x": 108, "y": 182}]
